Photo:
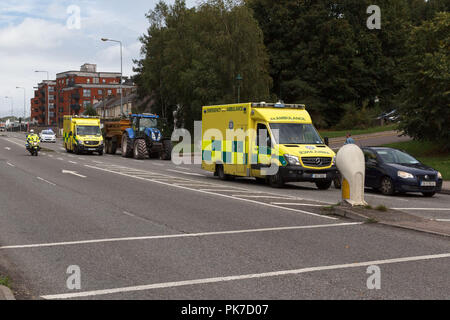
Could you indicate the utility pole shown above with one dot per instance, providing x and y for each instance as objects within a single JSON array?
[{"x": 24, "y": 104}]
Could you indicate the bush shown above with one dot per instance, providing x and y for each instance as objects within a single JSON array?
[{"x": 356, "y": 119}]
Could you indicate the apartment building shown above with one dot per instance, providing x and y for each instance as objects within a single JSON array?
[{"x": 73, "y": 91}]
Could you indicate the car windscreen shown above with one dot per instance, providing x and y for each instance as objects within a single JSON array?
[
  {"x": 296, "y": 133},
  {"x": 88, "y": 131},
  {"x": 396, "y": 156},
  {"x": 48, "y": 132}
]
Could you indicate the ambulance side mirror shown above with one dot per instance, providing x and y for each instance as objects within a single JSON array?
[{"x": 327, "y": 141}]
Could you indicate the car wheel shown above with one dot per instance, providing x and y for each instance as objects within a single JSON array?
[
  {"x": 428, "y": 194},
  {"x": 337, "y": 182},
  {"x": 387, "y": 186}
]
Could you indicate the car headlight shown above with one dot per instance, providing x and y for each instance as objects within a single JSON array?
[
  {"x": 439, "y": 175},
  {"x": 334, "y": 161},
  {"x": 405, "y": 175},
  {"x": 292, "y": 160}
]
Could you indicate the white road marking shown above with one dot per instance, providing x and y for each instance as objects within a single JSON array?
[
  {"x": 429, "y": 209},
  {"x": 51, "y": 183},
  {"x": 50, "y": 156},
  {"x": 180, "y": 235},
  {"x": 263, "y": 196},
  {"x": 242, "y": 277},
  {"x": 73, "y": 162},
  {"x": 10, "y": 164},
  {"x": 74, "y": 173},
  {"x": 7, "y": 148},
  {"x": 158, "y": 164},
  {"x": 442, "y": 220},
  {"x": 224, "y": 190},
  {"x": 296, "y": 204},
  {"x": 215, "y": 194},
  {"x": 95, "y": 161},
  {"x": 188, "y": 173},
  {"x": 61, "y": 159},
  {"x": 384, "y": 198}
]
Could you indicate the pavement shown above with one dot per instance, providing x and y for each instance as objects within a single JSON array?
[
  {"x": 155, "y": 230},
  {"x": 6, "y": 293}
]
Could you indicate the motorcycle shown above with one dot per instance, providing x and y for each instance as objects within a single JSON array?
[{"x": 33, "y": 148}]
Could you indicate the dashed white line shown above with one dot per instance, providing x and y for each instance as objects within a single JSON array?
[
  {"x": 7, "y": 148},
  {"x": 10, "y": 164},
  {"x": 46, "y": 181},
  {"x": 243, "y": 277},
  {"x": 73, "y": 162},
  {"x": 180, "y": 235}
]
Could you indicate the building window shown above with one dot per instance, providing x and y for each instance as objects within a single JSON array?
[
  {"x": 86, "y": 92},
  {"x": 109, "y": 92},
  {"x": 96, "y": 80},
  {"x": 100, "y": 92},
  {"x": 88, "y": 80},
  {"x": 103, "y": 80},
  {"x": 86, "y": 103}
]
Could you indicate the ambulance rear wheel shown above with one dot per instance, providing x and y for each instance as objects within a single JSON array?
[
  {"x": 323, "y": 185},
  {"x": 221, "y": 173}
]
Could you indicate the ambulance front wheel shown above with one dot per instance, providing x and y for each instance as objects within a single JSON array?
[
  {"x": 276, "y": 180},
  {"x": 323, "y": 185}
]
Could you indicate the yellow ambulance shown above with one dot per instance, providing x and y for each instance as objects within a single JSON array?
[
  {"x": 82, "y": 134},
  {"x": 272, "y": 142}
]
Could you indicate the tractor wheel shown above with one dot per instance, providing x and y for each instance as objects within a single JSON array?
[
  {"x": 127, "y": 146},
  {"x": 166, "y": 153},
  {"x": 140, "y": 149},
  {"x": 113, "y": 147}
]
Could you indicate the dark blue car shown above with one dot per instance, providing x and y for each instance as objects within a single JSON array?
[{"x": 391, "y": 170}]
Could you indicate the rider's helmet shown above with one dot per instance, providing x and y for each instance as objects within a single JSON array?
[{"x": 31, "y": 131}]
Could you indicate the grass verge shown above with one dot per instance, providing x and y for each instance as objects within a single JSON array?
[
  {"x": 342, "y": 133},
  {"x": 4, "y": 281},
  {"x": 428, "y": 153}
]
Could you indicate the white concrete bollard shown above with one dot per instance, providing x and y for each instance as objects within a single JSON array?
[{"x": 351, "y": 164}]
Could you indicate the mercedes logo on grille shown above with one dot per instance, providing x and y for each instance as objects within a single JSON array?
[
  {"x": 426, "y": 177},
  {"x": 318, "y": 161}
]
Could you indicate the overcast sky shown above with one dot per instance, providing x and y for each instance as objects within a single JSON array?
[{"x": 43, "y": 35}]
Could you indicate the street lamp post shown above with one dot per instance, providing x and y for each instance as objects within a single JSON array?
[
  {"x": 24, "y": 104},
  {"x": 239, "y": 80},
  {"x": 48, "y": 98},
  {"x": 12, "y": 111},
  {"x": 121, "y": 71}
]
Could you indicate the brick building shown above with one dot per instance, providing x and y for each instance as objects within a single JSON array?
[{"x": 73, "y": 91}]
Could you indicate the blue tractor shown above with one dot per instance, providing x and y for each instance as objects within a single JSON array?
[{"x": 137, "y": 136}]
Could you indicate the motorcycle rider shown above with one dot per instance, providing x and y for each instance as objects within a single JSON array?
[{"x": 32, "y": 137}]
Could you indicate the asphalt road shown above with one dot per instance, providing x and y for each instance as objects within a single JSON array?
[{"x": 154, "y": 230}]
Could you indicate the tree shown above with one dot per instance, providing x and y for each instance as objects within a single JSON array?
[
  {"x": 89, "y": 110},
  {"x": 192, "y": 57},
  {"x": 425, "y": 101}
]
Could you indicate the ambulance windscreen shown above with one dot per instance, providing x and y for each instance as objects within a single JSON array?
[{"x": 296, "y": 133}]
